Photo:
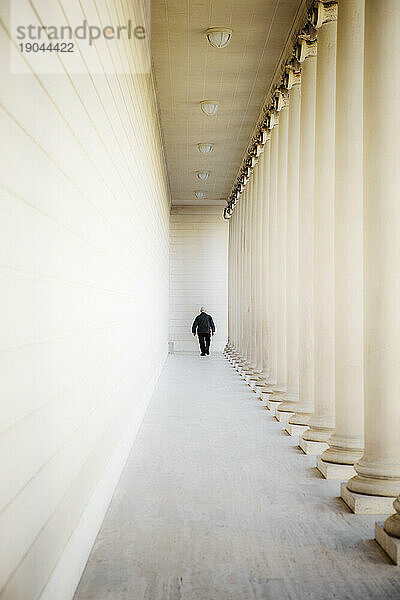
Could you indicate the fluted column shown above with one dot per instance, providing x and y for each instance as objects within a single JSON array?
[
  {"x": 346, "y": 443},
  {"x": 250, "y": 273},
  {"x": 233, "y": 283},
  {"x": 254, "y": 272},
  {"x": 246, "y": 275},
  {"x": 378, "y": 471},
  {"x": 265, "y": 268},
  {"x": 242, "y": 205},
  {"x": 282, "y": 106},
  {"x": 307, "y": 55},
  {"x": 291, "y": 396},
  {"x": 259, "y": 291},
  {"x": 235, "y": 348},
  {"x": 323, "y": 420},
  {"x": 272, "y": 256},
  {"x": 230, "y": 284},
  {"x": 236, "y": 288}
]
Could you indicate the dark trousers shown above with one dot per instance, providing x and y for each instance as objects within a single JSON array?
[{"x": 204, "y": 341}]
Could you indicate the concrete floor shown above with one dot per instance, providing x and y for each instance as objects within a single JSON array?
[{"x": 217, "y": 503}]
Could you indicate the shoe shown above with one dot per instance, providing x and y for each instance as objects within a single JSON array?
[{"x": 202, "y": 354}]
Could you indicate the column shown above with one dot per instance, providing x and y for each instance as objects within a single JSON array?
[
  {"x": 253, "y": 272},
  {"x": 230, "y": 283},
  {"x": 306, "y": 52},
  {"x": 280, "y": 315},
  {"x": 259, "y": 288},
  {"x": 323, "y": 420},
  {"x": 241, "y": 205},
  {"x": 291, "y": 396},
  {"x": 252, "y": 374},
  {"x": 233, "y": 250},
  {"x": 247, "y": 278},
  {"x": 378, "y": 471},
  {"x": 265, "y": 268},
  {"x": 243, "y": 270},
  {"x": 232, "y": 342},
  {"x": 239, "y": 211},
  {"x": 249, "y": 274},
  {"x": 237, "y": 281},
  {"x": 272, "y": 281},
  {"x": 346, "y": 443}
]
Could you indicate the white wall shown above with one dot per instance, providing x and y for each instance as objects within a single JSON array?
[
  {"x": 198, "y": 273},
  {"x": 84, "y": 211}
]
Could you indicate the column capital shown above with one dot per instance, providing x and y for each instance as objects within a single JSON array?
[
  {"x": 323, "y": 11},
  {"x": 292, "y": 75},
  {"x": 272, "y": 118},
  {"x": 281, "y": 99},
  {"x": 265, "y": 135},
  {"x": 305, "y": 48}
]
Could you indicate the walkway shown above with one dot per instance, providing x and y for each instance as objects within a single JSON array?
[{"x": 217, "y": 503}]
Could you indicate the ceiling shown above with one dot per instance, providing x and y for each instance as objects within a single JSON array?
[{"x": 187, "y": 70}]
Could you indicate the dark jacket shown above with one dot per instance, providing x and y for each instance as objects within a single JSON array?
[{"x": 203, "y": 323}]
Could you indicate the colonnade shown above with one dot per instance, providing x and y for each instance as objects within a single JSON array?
[{"x": 314, "y": 254}]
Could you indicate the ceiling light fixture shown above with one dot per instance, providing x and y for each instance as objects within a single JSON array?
[
  {"x": 200, "y": 195},
  {"x": 219, "y": 37},
  {"x": 205, "y": 147},
  {"x": 203, "y": 175},
  {"x": 209, "y": 107}
]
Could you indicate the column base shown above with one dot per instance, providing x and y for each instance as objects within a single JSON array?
[
  {"x": 341, "y": 456},
  {"x": 334, "y": 470},
  {"x": 367, "y": 482},
  {"x": 251, "y": 385},
  {"x": 265, "y": 396},
  {"x": 259, "y": 391},
  {"x": 289, "y": 406},
  {"x": 272, "y": 405},
  {"x": 253, "y": 382},
  {"x": 301, "y": 419},
  {"x": 251, "y": 379},
  {"x": 388, "y": 543},
  {"x": 282, "y": 416},
  {"x": 363, "y": 504},
  {"x": 245, "y": 375},
  {"x": 312, "y": 448},
  {"x": 319, "y": 434},
  {"x": 295, "y": 429},
  {"x": 267, "y": 390}
]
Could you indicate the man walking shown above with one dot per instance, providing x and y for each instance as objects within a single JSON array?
[{"x": 204, "y": 325}]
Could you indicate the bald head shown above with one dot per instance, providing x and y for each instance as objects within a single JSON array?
[{"x": 202, "y": 309}]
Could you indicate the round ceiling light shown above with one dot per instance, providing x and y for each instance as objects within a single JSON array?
[
  {"x": 219, "y": 37},
  {"x": 200, "y": 195},
  {"x": 203, "y": 175},
  {"x": 209, "y": 107},
  {"x": 205, "y": 148}
]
